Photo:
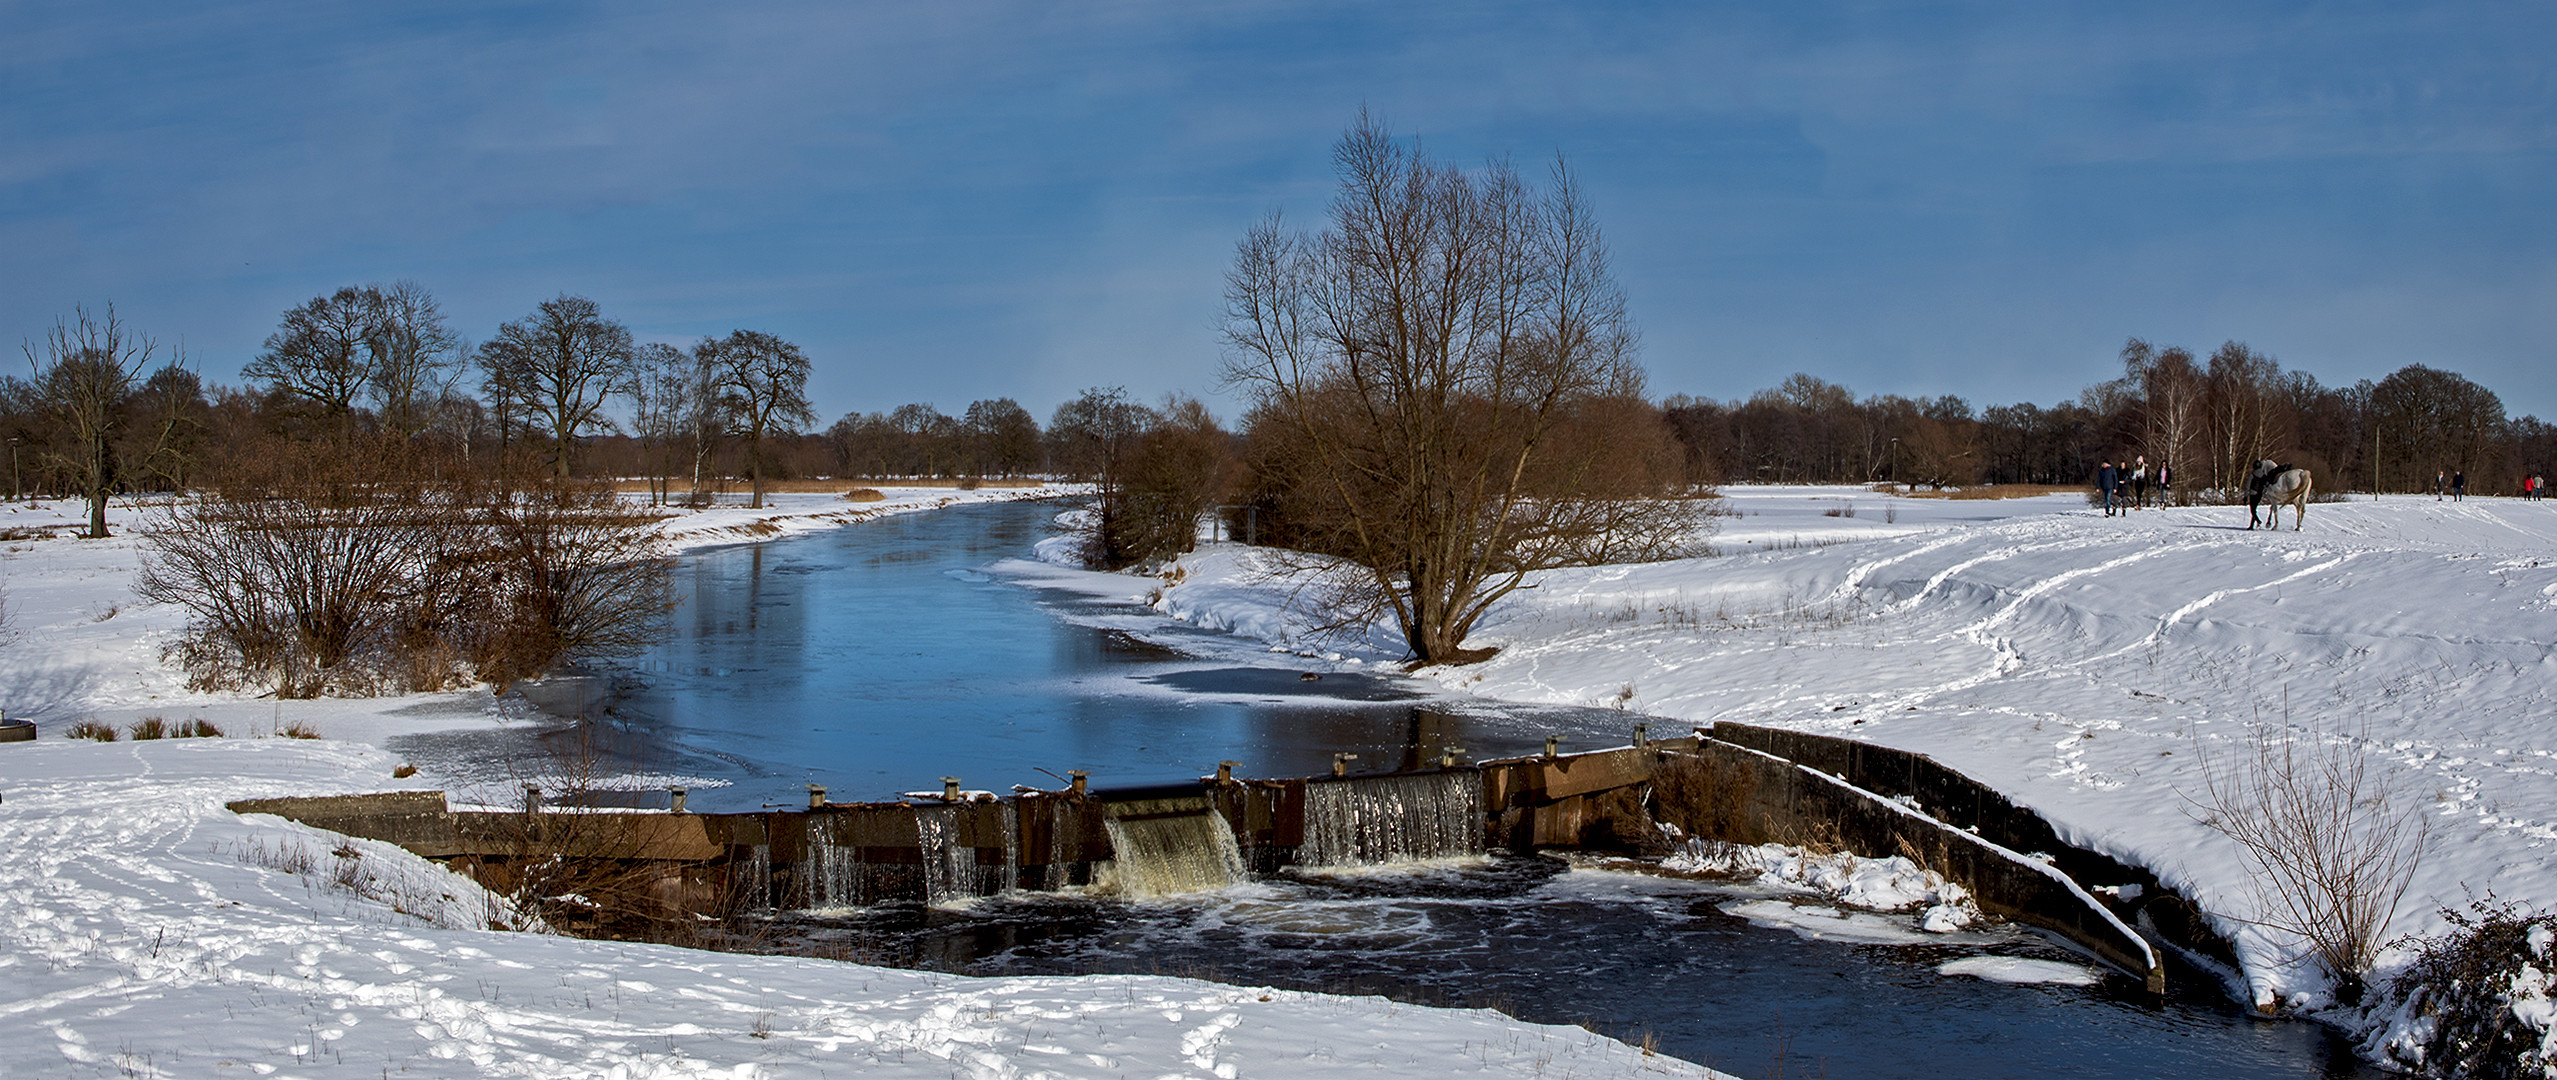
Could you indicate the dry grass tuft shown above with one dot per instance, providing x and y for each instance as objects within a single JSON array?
[
  {"x": 90, "y": 729},
  {"x": 864, "y": 495}
]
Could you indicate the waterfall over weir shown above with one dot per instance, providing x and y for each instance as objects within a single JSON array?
[
  {"x": 1165, "y": 847},
  {"x": 862, "y": 855},
  {"x": 1372, "y": 821}
]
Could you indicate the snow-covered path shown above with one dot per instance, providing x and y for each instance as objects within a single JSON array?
[{"x": 2073, "y": 660}]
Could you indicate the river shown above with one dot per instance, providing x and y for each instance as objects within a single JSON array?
[{"x": 881, "y": 657}]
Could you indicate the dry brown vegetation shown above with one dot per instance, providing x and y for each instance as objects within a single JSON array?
[{"x": 360, "y": 565}]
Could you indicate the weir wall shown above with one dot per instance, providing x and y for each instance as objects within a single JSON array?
[{"x": 1748, "y": 788}]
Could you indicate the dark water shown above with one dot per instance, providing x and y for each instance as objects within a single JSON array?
[
  {"x": 879, "y": 658},
  {"x": 1625, "y": 954}
]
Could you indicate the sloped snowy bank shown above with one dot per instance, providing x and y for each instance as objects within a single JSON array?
[{"x": 2075, "y": 661}]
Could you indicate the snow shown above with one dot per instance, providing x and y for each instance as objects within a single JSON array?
[
  {"x": 146, "y": 931},
  {"x": 1886, "y": 884},
  {"x": 2073, "y": 661},
  {"x": 2017, "y": 969}
]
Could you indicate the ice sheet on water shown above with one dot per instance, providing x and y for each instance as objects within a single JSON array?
[
  {"x": 2017, "y": 969},
  {"x": 1819, "y": 923}
]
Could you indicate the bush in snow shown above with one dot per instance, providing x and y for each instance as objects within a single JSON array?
[
  {"x": 2330, "y": 841},
  {"x": 2477, "y": 1001}
]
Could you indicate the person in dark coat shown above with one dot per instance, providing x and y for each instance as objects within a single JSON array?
[
  {"x": 2458, "y": 486},
  {"x": 2106, "y": 480}
]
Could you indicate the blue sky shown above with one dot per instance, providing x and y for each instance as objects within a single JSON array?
[{"x": 949, "y": 201}]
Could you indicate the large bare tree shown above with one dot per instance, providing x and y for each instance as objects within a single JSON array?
[
  {"x": 763, "y": 387},
  {"x": 415, "y": 357},
  {"x": 1419, "y": 357},
  {"x": 559, "y": 364},
  {"x": 320, "y": 352},
  {"x": 386, "y": 343},
  {"x": 674, "y": 397},
  {"x": 85, "y": 372}
]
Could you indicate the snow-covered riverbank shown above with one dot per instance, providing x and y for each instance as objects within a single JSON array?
[
  {"x": 145, "y": 931},
  {"x": 2073, "y": 660}
]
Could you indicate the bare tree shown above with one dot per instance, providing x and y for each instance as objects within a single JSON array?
[
  {"x": 321, "y": 352},
  {"x": 763, "y": 388},
  {"x": 1170, "y": 474},
  {"x": 308, "y": 565},
  {"x": 2434, "y": 420},
  {"x": 560, "y": 363},
  {"x": 2246, "y": 420},
  {"x": 1003, "y": 438},
  {"x": 1418, "y": 354},
  {"x": 84, "y": 373},
  {"x": 2175, "y": 400},
  {"x": 1089, "y": 435},
  {"x": 2331, "y": 842},
  {"x": 672, "y": 399},
  {"x": 415, "y": 356}
]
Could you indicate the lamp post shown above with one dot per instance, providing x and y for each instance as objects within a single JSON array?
[
  {"x": 1895, "y": 461},
  {"x": 13, "y": 468}
]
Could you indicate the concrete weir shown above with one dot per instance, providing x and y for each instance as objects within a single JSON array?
[{"x": 1729, "y": 782}]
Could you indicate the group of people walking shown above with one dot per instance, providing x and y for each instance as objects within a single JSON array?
[
  {"x": 2130, "y": 482},
  {"x": 2452, "y": 484}
]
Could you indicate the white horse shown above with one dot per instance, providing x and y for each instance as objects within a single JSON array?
[{"x": 2276, "y": 485}]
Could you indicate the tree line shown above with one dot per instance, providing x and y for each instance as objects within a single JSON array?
[
  {"x": 105, "y": 410},
  {"x": 2207, "y": 418}
]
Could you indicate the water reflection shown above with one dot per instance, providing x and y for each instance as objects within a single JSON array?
[{"x": 876, "y": 659}]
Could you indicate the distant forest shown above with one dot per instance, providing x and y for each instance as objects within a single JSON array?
[
  {"x": 2207, "y": 418},
  {"x": 662, "y": 413}
]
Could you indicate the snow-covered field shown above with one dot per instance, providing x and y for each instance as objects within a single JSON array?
[
  {"x": 147, "y": 932},
  {"x": 2083, "y": 664}
]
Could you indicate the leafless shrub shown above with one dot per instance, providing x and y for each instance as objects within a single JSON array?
[
  {"x": 579, "y": 574},
  {"x": 2331, "y": 843},
  {"x": 864, "y": 495},
  {"x": 298, "y": 730},
  {"x": 196, "y": 728},
  {"x": 150, "y": 727},
  {"x": 307, "y": 565},
  {"x": 357, "y": 566},
  {"x": 90, "y": 729}
]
